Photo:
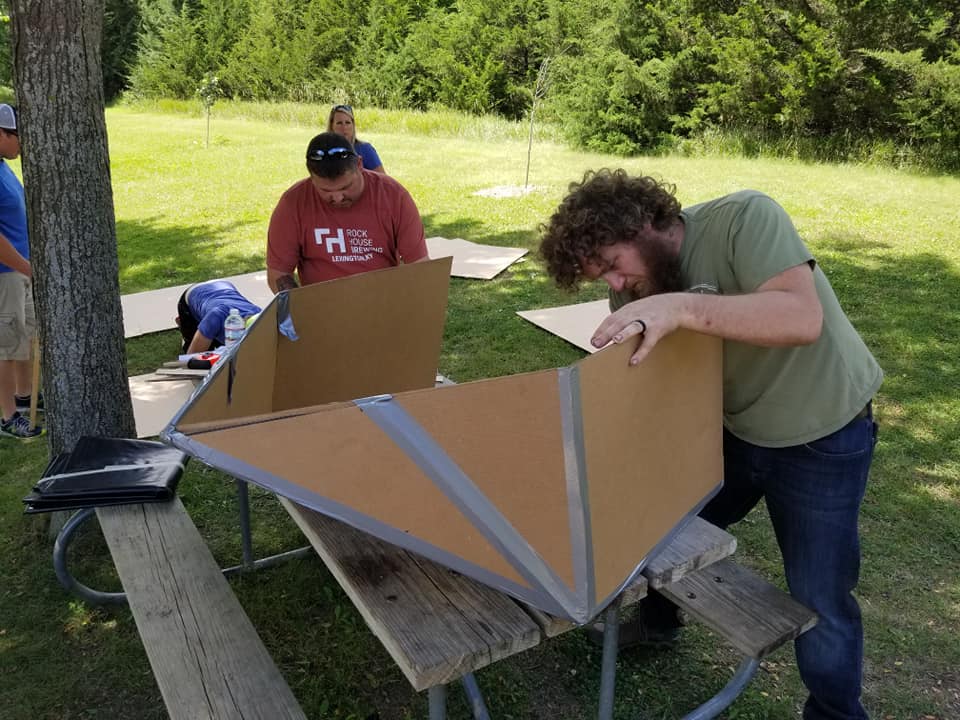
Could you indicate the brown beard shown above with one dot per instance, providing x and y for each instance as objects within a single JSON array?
[{"x": 663, "y": 269}]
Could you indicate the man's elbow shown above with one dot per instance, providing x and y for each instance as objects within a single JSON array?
[{"x": 810, "y": 329}]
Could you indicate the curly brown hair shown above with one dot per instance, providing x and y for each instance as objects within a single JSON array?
[{"x": 607, "y": 207}]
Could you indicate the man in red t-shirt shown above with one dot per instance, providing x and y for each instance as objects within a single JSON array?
[{"x": 341, "y": 220}]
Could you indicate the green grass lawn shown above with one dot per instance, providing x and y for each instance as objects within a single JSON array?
[{"x": 185, "y": 212}]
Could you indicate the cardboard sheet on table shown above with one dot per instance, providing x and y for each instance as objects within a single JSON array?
[
  {"x": 155, "y": 310},
  {"x": 472, "y": 260},
  {"x": 155, "y": 403},
  {"x": 573, "y": 323},
  {"x": 362, "y": 335}
]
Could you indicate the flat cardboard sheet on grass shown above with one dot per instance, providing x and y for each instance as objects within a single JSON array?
[
  {"x": 553, "y": 486},
  {"x": 155, "y": 403},
  {"x": 574, "y": 323},
  {"x": 155, "y": 310},
  {"x": 472, "y": 260}
]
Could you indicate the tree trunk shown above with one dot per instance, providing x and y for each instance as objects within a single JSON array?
[{"x": 70, "y": 217}]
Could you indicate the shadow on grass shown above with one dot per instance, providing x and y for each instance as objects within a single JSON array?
[
  {"x": 908, "y": 311},
  {"x": 907, "y": 308},
  {"x": 154, "y": 256}
]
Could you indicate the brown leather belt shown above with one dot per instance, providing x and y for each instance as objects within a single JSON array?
[{"x": 865, "y": 412}]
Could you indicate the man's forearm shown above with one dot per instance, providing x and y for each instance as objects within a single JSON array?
[
  {"x": 12, "y": 259},
  {"x": 775, "y": 318},
  {"x": 280, "y": 280},
  {"x": 784, "y": 311},
  {"x": 286, "y": 282},
  {"x": 199, "y": 343}
]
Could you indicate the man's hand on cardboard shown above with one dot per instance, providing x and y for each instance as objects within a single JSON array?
[{"x": 651, "y": 317}]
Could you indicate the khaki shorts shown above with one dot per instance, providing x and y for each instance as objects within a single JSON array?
[{"x": 18, "y": 324}]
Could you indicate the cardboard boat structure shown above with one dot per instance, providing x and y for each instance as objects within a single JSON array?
[{"x": 553, "y": 486}]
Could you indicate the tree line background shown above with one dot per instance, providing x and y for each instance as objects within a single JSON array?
[{"x": 829, "y": 79}]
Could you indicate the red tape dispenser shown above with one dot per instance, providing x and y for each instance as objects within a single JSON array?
[{"x": 203, "y": 361}]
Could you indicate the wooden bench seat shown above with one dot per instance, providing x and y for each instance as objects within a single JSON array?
[
  {"x": 753, "y": 615},
  {"x": 206, "y": 656}
]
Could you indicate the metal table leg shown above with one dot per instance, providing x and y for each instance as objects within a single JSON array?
[
  {"x": 98, "y": 597},
  {"x": 722, "y": 700},
  {"x": 437, "y": 696},
  {"x": 608, "y": 671},
  {"x": 246, "y": 541},
  {"x": 69, "y": 582},
  {"x": 475, "y": 697}
]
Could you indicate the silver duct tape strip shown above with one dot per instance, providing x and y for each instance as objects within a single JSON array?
[
  {"x": 284, "y": 319},
  {"x": 578, "y": 496},
  {"x": 431, "y": 458},
  {"x": 365, "y": 523}
]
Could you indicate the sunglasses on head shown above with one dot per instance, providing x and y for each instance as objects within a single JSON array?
[
  {"x": 343, "y": 108},
  {"x": 337, "y": 152}
]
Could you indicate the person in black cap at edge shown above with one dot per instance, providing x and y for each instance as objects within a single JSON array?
[{"x": 17, "y": 319}]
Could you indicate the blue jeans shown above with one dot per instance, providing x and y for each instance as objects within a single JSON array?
[{"x": 813, "y": 494}]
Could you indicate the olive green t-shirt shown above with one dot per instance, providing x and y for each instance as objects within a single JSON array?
[{"x": 773, "y": 397}]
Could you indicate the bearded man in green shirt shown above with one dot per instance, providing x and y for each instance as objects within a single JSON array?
[{"x": 797, "y": 384}]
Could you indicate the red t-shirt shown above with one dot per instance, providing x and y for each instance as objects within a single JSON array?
[{"x": 323, "y": 242}]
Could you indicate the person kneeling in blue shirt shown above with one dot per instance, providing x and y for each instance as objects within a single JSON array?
[{"x": 202, "y": 309}]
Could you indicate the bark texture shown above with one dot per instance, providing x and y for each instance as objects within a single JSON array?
[{"x": 70, "y": 215}]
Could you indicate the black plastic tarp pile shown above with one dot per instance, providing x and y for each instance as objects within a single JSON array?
[{"x": 108, "y": 471}]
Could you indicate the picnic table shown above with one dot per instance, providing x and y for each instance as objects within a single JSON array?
[
  {"x": 440, "y": 626},
  {"x": 437, "y": 625}
]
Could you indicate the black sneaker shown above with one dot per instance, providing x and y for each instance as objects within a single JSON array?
[
  {"x": 19, "y": 427},
  {"x": 23, "y": 402}
]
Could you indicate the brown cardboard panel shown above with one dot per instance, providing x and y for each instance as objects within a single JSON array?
[
  {"x": 341, "y": 455},
  {"x": 574, "y": 323},
  {"x": 364, "y": 335},
  {"x": 653, "y": 442},
  {"x": 506, "y": 435},
  {"x": 253, "y": 383}
]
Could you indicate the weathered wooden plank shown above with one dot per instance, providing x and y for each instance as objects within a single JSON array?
[
  {"x": 208, "y": 660},
  {"x": 696, "y": 546},
  {"x": 550, "y": 625},
  {"x": 182, "y": 372},
  {"x": 750, "y": 613},
  {"x": 436, "y": 624}
]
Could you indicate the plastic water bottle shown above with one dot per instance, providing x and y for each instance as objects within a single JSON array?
[{"x": 233, "y": 328}]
